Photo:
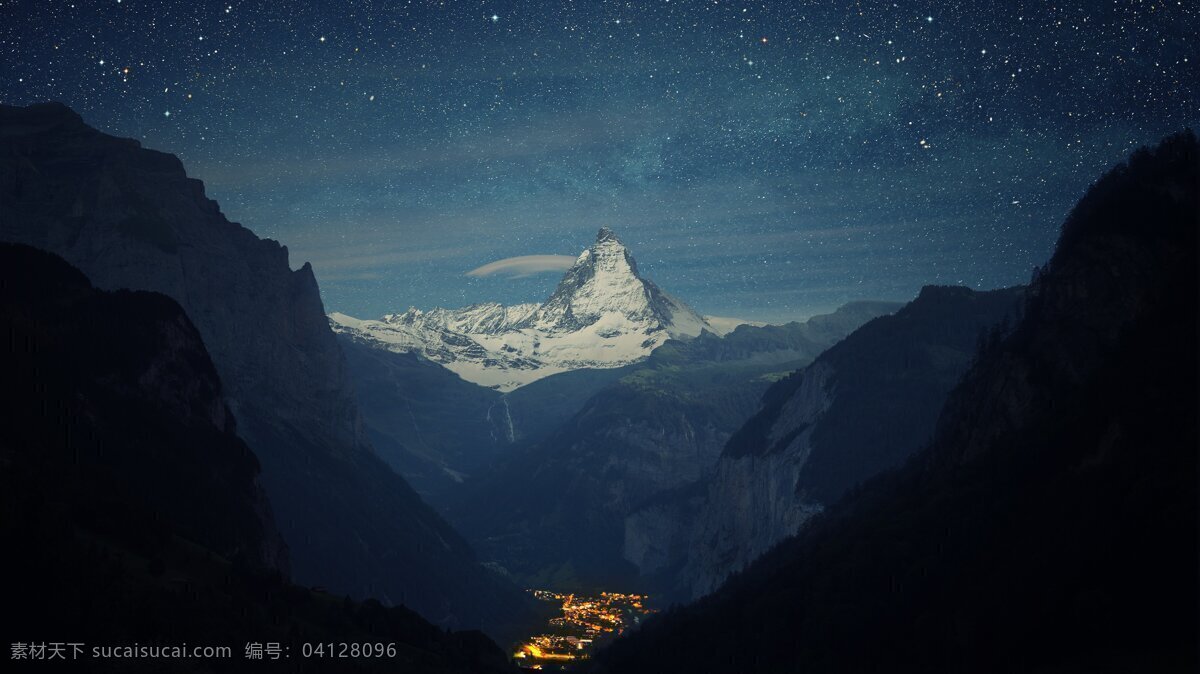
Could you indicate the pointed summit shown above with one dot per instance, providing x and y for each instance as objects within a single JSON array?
[
  {"x": 603, "y": 286},
  {"x": 605, "y": 234},
  {"x": 602, "y": 314}
]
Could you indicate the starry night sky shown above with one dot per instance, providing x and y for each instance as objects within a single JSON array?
[{"x": 763, "y": 160}]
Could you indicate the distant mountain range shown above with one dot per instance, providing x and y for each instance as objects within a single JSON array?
[{"x": 603, "y": 314}]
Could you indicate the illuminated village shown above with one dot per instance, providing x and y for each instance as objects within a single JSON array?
[{"x": 585, "y": 622}]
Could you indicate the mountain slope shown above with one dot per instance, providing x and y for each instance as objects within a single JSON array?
[
  {"x": 428, "y": 424},
  {"x": 861, "y": 407},
  {"x": 555, "y": 509},
  {"x": 113, "y": 395},
  {"x": 603, "y": 314},
  {"x": 131, "y": 510},
  {"x": 131, "y": 218},
  {"x": 437, "y": 430},
  {"x": 1051, "y": 525}
]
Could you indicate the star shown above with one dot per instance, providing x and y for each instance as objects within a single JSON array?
[{"x": 821, "y": 116}]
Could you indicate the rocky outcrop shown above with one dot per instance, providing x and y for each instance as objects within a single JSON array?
[
  {"x": 131, "y": 218},
  {"x": 748, "y": 503},
  {"x": 863, "y": 406}
]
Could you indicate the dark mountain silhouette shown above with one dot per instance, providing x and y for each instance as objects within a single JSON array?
[
  {"x": 1051, "y": 525},
  {"x": 863, "y": 406},
  {"x": 131, "y": 218},
  {"x": 130, "y": 509},
  {"x": 112, "y": 395}
]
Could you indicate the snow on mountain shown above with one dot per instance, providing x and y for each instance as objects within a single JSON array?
[
  {"x": 603, "y": 314},
  {"x": 723, "y": 325}
]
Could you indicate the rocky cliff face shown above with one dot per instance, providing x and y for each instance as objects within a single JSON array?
[
  {"x": 863, "y": 406},
  {"x": 131, "y": 218},
  {"x": 748, "y": 504}
]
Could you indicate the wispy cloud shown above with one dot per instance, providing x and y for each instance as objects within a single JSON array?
[{"x": 524, "y": 265}]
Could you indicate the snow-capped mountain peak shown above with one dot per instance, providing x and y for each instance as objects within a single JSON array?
[
  {"x": 602, "y": 314},
  {"x": 486, "y": 318},
  {"x": 603, "y": 281}
]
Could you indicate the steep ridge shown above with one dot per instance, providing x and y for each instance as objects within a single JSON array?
[
  {"x": 131, "y": 510},
  {"x": 116, "y": 391},
  {"x": 864, "y": 405},
  {"x": 552, "y": 512},
  {"x": 1052, "y": 523},
  {"x": 131, "y": 218},
  {"x": 602, "y": 314}
]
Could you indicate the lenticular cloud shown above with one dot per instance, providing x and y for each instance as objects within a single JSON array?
[{"x": 524, "y": 265}]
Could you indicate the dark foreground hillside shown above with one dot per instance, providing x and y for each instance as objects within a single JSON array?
[
  {"x": 1051, "y": 525},
  {"x": 130, "y": 509},
  {"x": 862, "y": 407},
  {"x": 130, "y": 218}
]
